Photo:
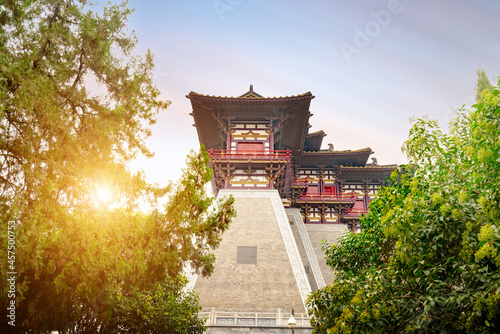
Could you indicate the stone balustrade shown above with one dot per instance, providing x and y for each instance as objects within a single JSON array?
[{"x": 278, "y": 318}]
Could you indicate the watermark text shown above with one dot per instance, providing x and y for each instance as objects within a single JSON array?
[
  {"x": 223, "y": 6},
  {"x": 11, "y": 274},
  {"x": 373, "y": 28}
]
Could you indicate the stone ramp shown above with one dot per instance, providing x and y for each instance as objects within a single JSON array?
[
  {"x": 258, "y": 267},
  {"x": 319, "y": 232}
]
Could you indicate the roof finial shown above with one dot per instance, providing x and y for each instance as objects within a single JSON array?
[{"x": 250, "y": 94}]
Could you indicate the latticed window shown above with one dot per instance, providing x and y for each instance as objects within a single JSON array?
[
  {"x": 312, "y": 189},
  {"x": 329, "y": 190},
  {"x": 251, "y": 147}
]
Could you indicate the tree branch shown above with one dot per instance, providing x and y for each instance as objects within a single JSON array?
[
  {"x": 43, "y": 49},
  {"x": 80, "y": 70}
]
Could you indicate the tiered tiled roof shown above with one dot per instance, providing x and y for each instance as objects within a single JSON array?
[
  {"x": 251, "y": 106},
  {"x": 212, "y": 112}
]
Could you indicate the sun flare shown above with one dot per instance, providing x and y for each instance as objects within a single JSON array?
[{"x": 104, "y": 194}]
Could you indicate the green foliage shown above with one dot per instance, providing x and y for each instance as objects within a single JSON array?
[
  {"x": 164, "y": 309},
  {"x": 482, "y": 83},
  {"x": 428, "y": 257},
  {"x": 75, "y": 107},
  {"x": 370, "y": 248}
]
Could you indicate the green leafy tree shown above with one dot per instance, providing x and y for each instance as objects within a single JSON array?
[
  {"x": 75, "y": 107},
  {"x": 482, "y": 83},
  {"x": 165, "y": 309},
  {"x": 428, "y": 257}
]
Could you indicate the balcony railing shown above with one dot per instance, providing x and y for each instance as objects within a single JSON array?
[
  {"x": 356, "y": 212},
  {"x": 243, "y": 154},
  {"x": 300, "y": 183},
  {"x": 329, "y": 197}
]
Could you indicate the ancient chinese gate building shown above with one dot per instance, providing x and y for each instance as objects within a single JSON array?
[{"x": 290, "y": 194}]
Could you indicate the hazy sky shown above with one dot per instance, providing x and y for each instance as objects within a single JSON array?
[{"x": 371, "y": 64}]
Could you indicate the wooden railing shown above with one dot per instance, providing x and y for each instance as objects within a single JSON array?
[
  {"x": 329, "y": 197},
  {"x": 300, "y": 183},
  {"x": 356, "y": 212},
  {"x": 238, "y": 154}
]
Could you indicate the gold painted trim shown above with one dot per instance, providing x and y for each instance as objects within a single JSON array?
[
  {"x": 265, "y": 136},
  {"x": 248, "y": 182}
]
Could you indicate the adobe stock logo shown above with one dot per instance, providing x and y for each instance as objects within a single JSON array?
[
  {"x": 221, "y": 7},
  {"x": 372, "y": 29}
]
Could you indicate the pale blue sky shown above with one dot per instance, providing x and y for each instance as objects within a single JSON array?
[{"x": 421, "y": 60}]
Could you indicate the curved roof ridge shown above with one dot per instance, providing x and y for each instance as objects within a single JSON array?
[
  {"x": 366, "y": 149},
  {"x": 317, "y": 133},
  {"x": 248, "y": 97},
  {"x": 369, "y": 166}
]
